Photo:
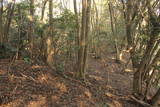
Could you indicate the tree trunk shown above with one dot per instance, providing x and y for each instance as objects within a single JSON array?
[
  {"x": 87, "y": 34},
  {"x": 31, "y": 29},
  {"x": 1, "y": 23},
  {"x": 8, "y": 21},
  {"x": 78, "y": 27},
  {"x": 82, "y": 58},
  {"x": 137, "y": 83},
  {"x": 113, "y": 27},
  {"x": 43, "y": 9},
  {"x": 50, "y": 50}
]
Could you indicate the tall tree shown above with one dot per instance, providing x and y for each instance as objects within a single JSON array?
[
  {"x": 8, "y": 21},
  {"x": 50, "y": 51},
  {"x": 31, "y": 27},
  {"x": 135, "y": 13},
  {"x": 113, "y": 27},
  {"x": 82, "y": 58},
  {"x": 151, "y": 47},
  {"x": 77, "y": 23},
  {"x": 43, "y": 9},
  {"x": 131, "y": 21},
  {"x": 1, "y": 24}
]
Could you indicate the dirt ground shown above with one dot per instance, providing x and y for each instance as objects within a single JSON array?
[{"x": 36, "y": 85}]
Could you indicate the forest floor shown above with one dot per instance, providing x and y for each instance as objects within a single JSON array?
[{"x": 36, "y": 85}]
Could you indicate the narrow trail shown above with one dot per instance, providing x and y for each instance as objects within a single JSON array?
[{"x": 116, "y": 84}]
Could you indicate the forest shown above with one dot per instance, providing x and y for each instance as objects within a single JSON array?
[{"x": 79, "y": 53}]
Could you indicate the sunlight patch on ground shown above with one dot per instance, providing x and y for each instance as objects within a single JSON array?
[
  {"x": 96, "y": 77},
  {"x": 112, "y": 70},
  {"x": 108, "y": 87},
  {"x": 11, "y": 78},
  {"x": 36, "y": 67},
  {"x": 43, "y": 78},
  {"x": 97, "y": 71},
  {"x": 82, "y": 104},
  {"x": 117, "y": 103},
  {"x": 39, "y": 102},
  {"x": 61, "y": 86},
  {"x": 55, "y": 98},
  {"x": 88, "y": 94},
  {"x": 108, "y": 94},
  {"x": 14, "y": 103},
  {"x": 113, "y": 58},
  {"x": 128, "y": 70},
  {"x": 2, "y": 72}
]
